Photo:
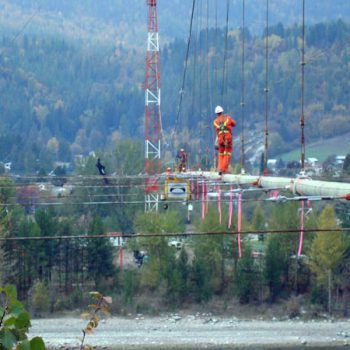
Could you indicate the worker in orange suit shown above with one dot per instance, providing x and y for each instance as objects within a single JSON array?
[
  {"x": 182, "y": 160},
  {"x": 223, "y": 125}
]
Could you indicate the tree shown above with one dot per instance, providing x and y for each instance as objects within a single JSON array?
[
  {"x": 47, "y": 255},
  {"x": 274, "y": 269},
  {"x": 211, "y": 255},
  {"x": 259, "y": 221},
  {"x": 177, "y": 278},
  {"x": 246, "y": 277},
  {"x": 327, "y": 251},
  {"x": 346, "y": 165},
  {"x": 284, "y": 216},
  {"x": 99, "y": 253},
  {"x": 161, "y": 257}
]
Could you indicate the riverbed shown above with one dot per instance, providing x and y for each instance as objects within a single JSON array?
[{"x": 175, "y": 331}]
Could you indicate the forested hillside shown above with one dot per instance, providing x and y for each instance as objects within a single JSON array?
[
  {"x": 111, "y": 20},
  {"x": 61, "y": 97}
]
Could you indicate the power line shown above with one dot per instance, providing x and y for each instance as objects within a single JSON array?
[{"x": 172, "y": 234}]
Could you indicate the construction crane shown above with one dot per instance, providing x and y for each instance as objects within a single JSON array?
[{"x": 152, "y": 110}]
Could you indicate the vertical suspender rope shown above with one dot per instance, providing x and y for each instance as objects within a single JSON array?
[
  {"x": 207, "y": 58},
  {"x": 185, "y": 71},
  {"x": 224, "y": 78},
  {"x": 302, "y": 119},
  {"x": 216, "y": 85},
  {"x": 194, "y": 78},
  {"x": 210, "y": 152},
  {"x": 243, "y": 88},
  {"x": 266, "y": 90},
  {"x": 195, "y": 62},
  {"x": 200, "y": 70},
  {"x": 215, "y": 41},
  {"x": 302, "y": 218}
]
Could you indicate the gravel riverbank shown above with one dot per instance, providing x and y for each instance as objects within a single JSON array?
[{"x": 194, "y": 332}]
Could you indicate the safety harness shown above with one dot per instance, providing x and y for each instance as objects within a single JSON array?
[{"x": 222, "y": 127}]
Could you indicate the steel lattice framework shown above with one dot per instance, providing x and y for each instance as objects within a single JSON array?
[{"x": 152, "y": 109}]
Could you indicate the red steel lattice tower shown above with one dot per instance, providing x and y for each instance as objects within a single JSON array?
[{"x": 152, "y": 110}]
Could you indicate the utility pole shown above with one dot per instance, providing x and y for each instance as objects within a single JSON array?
[{"x": 153, "y": 123}]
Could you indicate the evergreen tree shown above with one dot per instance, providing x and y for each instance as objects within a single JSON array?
[
  {"x": 274, "y": 269},
  {"x": 346, "y": 165},
  {"x": 246, "y": 277},
  {"x": 259, "y": 221},
  {"x": 327, "y": 252},
  {"x": 99, "y": 254},
  {"x": 161, "y": 257}
]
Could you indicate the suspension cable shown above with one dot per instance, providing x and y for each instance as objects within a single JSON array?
[
  {"x": 224, "y": 78},
  {"x": 302, "y": 119},
  {"x": 200, "y": 70},
  {"x": 266, "y": 90},
  {"x": 215, "y": 41},
  {"x": 243, "y": 88},
  {"x": 185, "y": 69},
  {"x": 195, "y": 58},
  {"x": 209, "y": 152}
]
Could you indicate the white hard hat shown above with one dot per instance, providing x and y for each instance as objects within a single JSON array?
[{"x": 218, "y": 109}]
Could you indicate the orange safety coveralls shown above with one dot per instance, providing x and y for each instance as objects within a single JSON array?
[{"x": 223, "y": 126}]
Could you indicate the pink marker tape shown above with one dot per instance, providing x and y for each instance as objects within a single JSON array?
[
  {"x": 239, "y": 224},
  {"x": 206, "y": 197},
  {"x": 219, "y": 204},
  {"x": 203, "y": 200},
  {"x": 230, "y": 209},
  {"x": 302, "y": 218}
]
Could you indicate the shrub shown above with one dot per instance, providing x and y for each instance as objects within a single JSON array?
[
  {"x": 39, "y": 299},
  {"x": 15, "y": 323}
]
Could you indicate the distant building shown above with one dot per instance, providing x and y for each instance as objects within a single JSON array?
[
  {"x": 312, "y": 161},
  {"x": 271, "y": 164},
  {"x": 339, "y": 160}
]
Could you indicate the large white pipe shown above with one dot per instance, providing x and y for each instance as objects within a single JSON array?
[{"x": 303, "y": 186}]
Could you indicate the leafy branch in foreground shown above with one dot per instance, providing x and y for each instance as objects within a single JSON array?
[
  {"x": 101, "y": 304},
  {"x": 15, "y": 323}
]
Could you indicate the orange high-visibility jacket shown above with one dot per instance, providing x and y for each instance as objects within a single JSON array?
[{"x": 223, "y": 124}]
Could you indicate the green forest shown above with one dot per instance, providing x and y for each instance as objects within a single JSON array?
[
  {"x": 74, "y": 99},
  {"x": 68, "y": 250},
  {"x": 61, "y": 98}
]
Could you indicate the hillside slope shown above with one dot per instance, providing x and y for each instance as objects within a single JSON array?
[
  {"x": 117, "y": 20},
  {"x": 61, "y": 96}
]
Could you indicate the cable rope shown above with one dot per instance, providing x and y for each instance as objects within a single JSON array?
[
  {"x": 243, "y": 89},
  {"x": 224, "y": 74},
  {"x": 24, "y": 26},
  {"x": 224, "y": 199},
  {"x": 215, "y": 41},
  {"x": 266, "y": 90},
  {"x": 210, "y": 108},
  {"x": 302, "y": 119},
  {"x": 185, "y": 69},
  {"x": 200, "y": 71},
  {"x": 173, "y": 234},
  {"x": 195, "y": 57}
]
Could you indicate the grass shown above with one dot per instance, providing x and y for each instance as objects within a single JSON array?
[{"x": 321, "y": 149}]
